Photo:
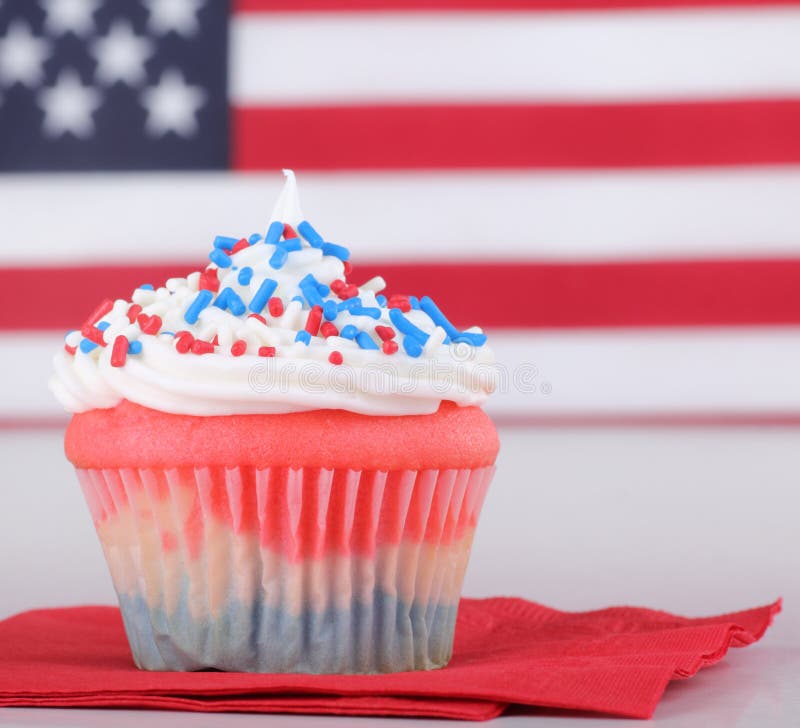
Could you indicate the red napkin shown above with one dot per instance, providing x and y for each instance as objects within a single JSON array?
[{"x": 507, "y": 651}]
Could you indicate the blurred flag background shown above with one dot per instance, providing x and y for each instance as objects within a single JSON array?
[{"x": 612, "y": 188}]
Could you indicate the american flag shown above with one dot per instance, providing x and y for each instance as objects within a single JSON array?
[{"x": 611, "y": 187}]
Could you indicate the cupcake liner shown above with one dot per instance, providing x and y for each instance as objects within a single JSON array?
[{"x": 287, "y": 569}]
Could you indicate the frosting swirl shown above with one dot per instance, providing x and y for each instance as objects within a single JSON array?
[{"x": 272, "y": 325}]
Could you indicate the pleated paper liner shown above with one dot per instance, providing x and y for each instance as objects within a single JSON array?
[{"x": 287, "y": 569}]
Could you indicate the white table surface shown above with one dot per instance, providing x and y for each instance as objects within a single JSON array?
[{"x": 690, "y": 520}]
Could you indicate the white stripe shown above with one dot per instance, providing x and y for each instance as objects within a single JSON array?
[
  {"x": 646, "y": 372},
  {"x": 51, "y": 219},
  {"x": 312, "y": 58}
]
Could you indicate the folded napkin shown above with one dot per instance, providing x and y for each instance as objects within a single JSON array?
[{"x": 507, "y": 651}]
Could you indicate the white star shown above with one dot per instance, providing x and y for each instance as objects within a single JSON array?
[
  {"x": 121, "y": 55},
  {"x": 172, "y": 105},
  {"x": 179, "y": 16},
  {"x": 22, "y": 55},
  {"x": 68, "y": 106},
  {"x": 70, "y": 16}
]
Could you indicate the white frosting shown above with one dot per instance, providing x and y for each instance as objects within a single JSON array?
[{"x": 299, "y": 377}]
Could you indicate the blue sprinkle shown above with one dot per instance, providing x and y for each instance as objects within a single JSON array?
[
  {"x": 200, "y": 302},
  {"x": 103, "y": 325},
  {"x": 412, "y": 346},
  {"x": 245, "y": 274},
  {"x": 382, "y": 300},
  {"x": 279, "y": 257},
  {"x": 301, "y": 300},
  {"x": 428, "y": 306},
  {"x": 471, "y": 339},
  {"x": 292, "y": 244},
  {"x": 414, "y": 301},
  {"x": 274, "y": 232},
  {"x": 322, "y": 289},
  {"x": 303, "y": 336},
  {"x": 86, "y": 346},
  {"x": 366, "y": 311},
  {"x": 308, "y": 286},
  {"x": 350, "y": 304},
  {"x": 220, "y": 257},
  {"x": 364, "y": 340},
  {"x": 223, "y": 242},
  {"x": 167, "y": 333},
  {"x": 147, "y": 286},
  {"x": 337, "y": 251},
  {"x": 329, "y": 310},
  {"x": 235, "y": 303},
  {"x": 308, "y": 232},
  {"x": 262, "y": 295},
  {"x": 349, "y": 332},
  {"x": 254, "y": 238},
  {"x": 402, "y": 324},
  {"x": 222, "y": 299},
  {"x": 135, "y": 347}
]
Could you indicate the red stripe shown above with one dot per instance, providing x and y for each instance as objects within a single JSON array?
[
  {"x": 685, "y": 293},
  {"x": 518, "y": 136},
  {"x": 261, "y": 6}
]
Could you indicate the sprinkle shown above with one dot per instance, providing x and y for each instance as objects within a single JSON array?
[
  {"x": 288, "y": 231},
  {"x": 414, "y": 301},
  {"x": 328, "y": 329},
  {"x": 402, "y": 324},
  {"x": 292, "y": 244},
  {"x": 70, "y": 349},
  {"x": 335, "y": 357},
  {"x": 389, "y": 347},
  {"x": 104, "y": 307},
  {"x": 215, "y": 340},
  {"x": 245, "y": 274},
  {"x": 220, "y": 257},
  {"x": 349, "y": 291},
  {"x": 183, "y": 342},
  {"x": 119, "y": 352},
  {"x": 95, "y": 333},
  {"x": 349, "y": 332},
  {"x": 314, "y": 319},
  {"x": 266, "y": 351},
  {"x": 308, "y": 232},
  {"x": 304, "y": 337},
  {"x": 300, "y": 300},
  {"x": 322, "y": 289},
  {"x": 202, "y": 347},
  {"x": 135, "y": 347},
  {"x": 147, "y": 287},
  {"x": 274, "y": 232},
  {"x": 337, "y": 251},
  {"x": 223, "y": 242},
  {"x": 275, "y": 307},
  {"x": 412, "y": 346},
  {"x": 381, "y": 300},
  {"x": 235, "y": 303},
  {"x": 279, "y": 257},
  {"x": 329, "y": 310},
  {"x": 258, "y": 317},
  {"x": 133, "y": 311},
  {"x": 365, "y": 311},
  {"x": 254, "y": 238},
  {"x": 349, "y": 304},
  {"x": 87, "y": 345},
  {"x": 400, "y": 302},
  {"x": 374, "y": 284},
  {"x": 241, "y": 245},
  {"x": 385, "y": 332},
  {"x": 468, "y": 338},
  {"x": 308, "y": 286},
  {"x": 364, "y": 340},
  {"x": 202, "y": 300},
  {"x": 337, "y": 285},
  {"x": 262, "y": 295},
  {"x": 429, "y": 307},
  {"x": 209, "y": 281},
  {"x": 149, "y": 324},
  {"x": 238, "y": 347},
  {"x": 348, "y": 268}
]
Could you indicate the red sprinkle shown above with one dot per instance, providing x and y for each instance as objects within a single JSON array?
[
  {"x": 183, "y": 342},
  {"x": 119, "y": 352},
  {"x": 70, "y": 349},
  {"x": 241, "y": 245},
  {"x": 93, "y": 334},
  {"x": 275, "y": 306},
  {"x": 202, "y": 347},
  {"x": 258, "y": 317},
  {"x": 215, "y": 340},
  {"x": 288, "y": 232},
  {"x": 337, "y": 285},
  {"x": 209, "y": 281},
  {"x": 400, "y": 302},
  {"x": 328, "y": 328},
  {"x": 314, "y": 319},
  {"x": 385, "y": 332},
  {"x": 133, "y": 311},
  {"x": 349, "y": 291},
  {"x": 98, "y": 313},
  {"x": 348, "y": 268},
  {"x": 336, "y": 357},
  {"x": 238, "y": 347},
  {"x": 149, "y": 324},
  {"x": 266, "y": 351},
  {"x": 389, "y": 346}
]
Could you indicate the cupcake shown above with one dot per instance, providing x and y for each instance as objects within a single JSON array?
[{"x": 285, "y": 469}]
